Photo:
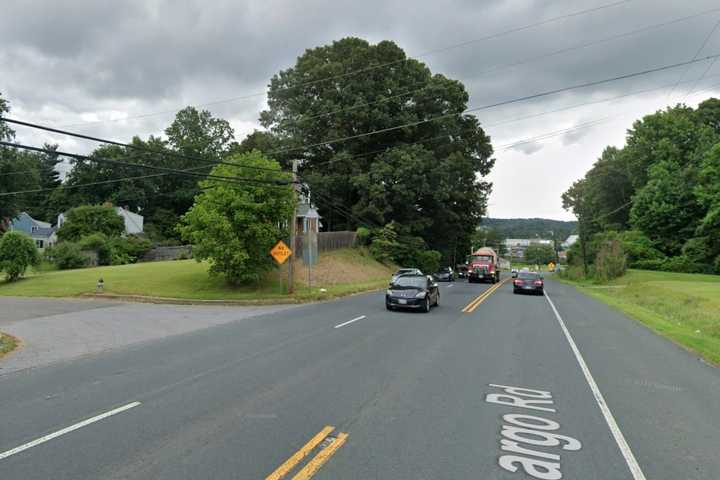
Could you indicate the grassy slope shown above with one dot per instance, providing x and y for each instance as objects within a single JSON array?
[
  {"x": 188, "y": 279},
  {"x": 683, "y": 307}
]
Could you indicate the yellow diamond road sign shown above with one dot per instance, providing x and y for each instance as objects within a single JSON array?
[{"x": 280, "y": 252}]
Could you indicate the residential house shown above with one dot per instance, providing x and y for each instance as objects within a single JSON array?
[
  {"x": 307, "y": 218},
  {"x": 133, "y": 221},
  {"x": 41, "y": 232},
  {"x": 570, "y": 241}
]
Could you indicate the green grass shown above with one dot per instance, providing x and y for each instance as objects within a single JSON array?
[
  {"x": 8, "y": 343},
  {"x": 683, "y": 307},
  {"x": 189, "y": 280}
]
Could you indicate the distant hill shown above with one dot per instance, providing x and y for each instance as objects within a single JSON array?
[{"x": 530, "y": 227}]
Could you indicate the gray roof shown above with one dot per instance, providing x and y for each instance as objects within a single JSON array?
[
  {"x": 43, "y": 232},
  {"x": 307, "y": 211}
]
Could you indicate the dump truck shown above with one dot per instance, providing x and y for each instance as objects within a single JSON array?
[{"x": 484, "y": 265}]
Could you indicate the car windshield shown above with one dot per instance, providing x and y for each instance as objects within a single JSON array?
[
  {"x": 482, "y": 258},
  {"x": 444, "y": 270},
  {"x": 528, "y": 276},
  {"x": 404, "y": 271},
  {"x": 410, "y": 282}
]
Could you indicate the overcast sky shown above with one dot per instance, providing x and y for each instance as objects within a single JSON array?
[{"x": 116, "y": 69}]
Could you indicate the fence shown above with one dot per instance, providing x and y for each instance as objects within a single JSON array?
[{"x": 329, "y": 241}]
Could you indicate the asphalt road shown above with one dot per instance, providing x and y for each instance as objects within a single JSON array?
[{"x": 409, "y": 396}]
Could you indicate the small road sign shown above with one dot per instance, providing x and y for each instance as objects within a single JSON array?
[{"x": 280, "y": 252}]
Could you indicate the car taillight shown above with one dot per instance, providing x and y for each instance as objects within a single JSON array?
[
  {"x": 518, "y": 282},
  {"x": 538, "y": 282}
]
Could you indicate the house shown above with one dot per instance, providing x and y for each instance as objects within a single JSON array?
[
  {"x": 41, "y": 232},
  {"x": 133, "y": 221},
  {"x": 516, "y": 247}
]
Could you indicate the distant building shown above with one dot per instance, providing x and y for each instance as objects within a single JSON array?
[
  {"x": 41, "y": 232},
  {"x": 133, "y": 221},
  {"x": 516, "y": 247}
]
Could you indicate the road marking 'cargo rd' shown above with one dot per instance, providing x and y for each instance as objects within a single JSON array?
[
  {"x": 350, "y": 321},
  {"x": 470, "y": 307},
  {"x": 332, "y": 445},
  {"x": 632, "y": 463},
  {"x": 66, "y": 430}
]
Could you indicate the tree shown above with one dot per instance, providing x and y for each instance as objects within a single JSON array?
[
  {"x": 18, "y": 172},
  {"x": 666, "y": 209},
  {"x": 17, "y": 253},
  {"x": 539, "y": 254},
  {"x": 89, "y": 219},
  {"x": 361, "y": 175},
  {"x": 40, "y": 204},
  {"x": 234, "y": 226},
  {"x": 708, "y": 113}
]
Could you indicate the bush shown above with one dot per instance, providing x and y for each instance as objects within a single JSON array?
[
  {"x": 610, "y": 261},
  {"x": 428, "y": 261},
  {"x": 717, "y": 264},
  {"x": 698, "y": 250},
  {"x": 98, "y": 243},
  {"x": 17, "y": 253},
  {"x": 66, "y": 255},
  {"x": 87, "y": 220},
  {"x": 363, "y": 236},
  {"x": 638, "y": 247},
  {"x": 128, "y": 249},
  {"x": 679, "y": 264}
]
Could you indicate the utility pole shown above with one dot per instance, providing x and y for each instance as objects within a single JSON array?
[{"x": 293, "y": 233}]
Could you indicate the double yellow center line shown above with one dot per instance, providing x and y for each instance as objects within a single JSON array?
[
  {"x": 332, "y": 444},
  {"x": 470, "y": 307}
]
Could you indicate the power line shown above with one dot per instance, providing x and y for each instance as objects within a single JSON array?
[
  {"x": 381, "y": 65},
  {"x": 127, "y": 145},
  {"x": 702, "y": 46},
  {"x": 150, "y": 167},
  {"x": 498, "y": 104},
  {"x": 16, "y": 173}
]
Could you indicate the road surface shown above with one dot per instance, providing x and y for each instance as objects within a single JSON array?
[{"x": 346, "y": 390}]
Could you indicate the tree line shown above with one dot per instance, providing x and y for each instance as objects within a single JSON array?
[{"x": 658, "y": 197}]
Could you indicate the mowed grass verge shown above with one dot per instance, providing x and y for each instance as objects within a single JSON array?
[
  {"x": 339, "y": 272},
  {"x": 681, "y": 306},
  {"x": 8, "y": 343}
]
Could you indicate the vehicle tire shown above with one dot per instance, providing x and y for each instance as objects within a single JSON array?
[
  {"x": 387, "y": 306},
  {"x": 426, "y": 307},
  {"x": 437, "y": 300}
]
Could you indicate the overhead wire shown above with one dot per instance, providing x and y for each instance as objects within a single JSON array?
[{"x": 381, "y": 65}]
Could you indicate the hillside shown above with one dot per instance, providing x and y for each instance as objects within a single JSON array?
[{"x": 529, "y": 227}]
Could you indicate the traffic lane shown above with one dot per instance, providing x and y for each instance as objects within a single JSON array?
[
  {"x": 435, "y": 422},
  {"x": 37, "y": 400},
  {"x": 203, "y": 418},
  {"x": 665, "y": 398}
]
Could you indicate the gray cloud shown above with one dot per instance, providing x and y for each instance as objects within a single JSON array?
[{"x": 80, "y": 60}]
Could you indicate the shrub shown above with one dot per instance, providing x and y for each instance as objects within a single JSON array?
[
  {"x": 717, "y": 264},
  {"x": 428, "y": 261},
  {"x": 363, "y": 236},
  {"x": 698, "y": 250},
  {"x": 66, "y": 255},
  {"x": 610, "y": 261},
  {"x": 128, "y": 249},
  {"x": 89, "y": 219},
  {"x": 17, "y": 253},
  {"x": 679, "y": 264},
  {"x": 98, "y": 243},
  {"x": 638, "y": 247}
]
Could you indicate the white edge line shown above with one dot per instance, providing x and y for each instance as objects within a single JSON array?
[
  {"x": 632, "y": 463},
  {"x": 350, "y": 321},
  {"x": 69, "y": 429}
]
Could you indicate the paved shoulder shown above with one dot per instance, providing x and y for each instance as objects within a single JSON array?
[{"x": 664, "y": 398}]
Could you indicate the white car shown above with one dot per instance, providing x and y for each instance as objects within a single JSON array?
[{"x": 405, "y": 271}]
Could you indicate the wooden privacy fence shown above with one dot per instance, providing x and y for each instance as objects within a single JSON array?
[{"x": 329, "y": 241}]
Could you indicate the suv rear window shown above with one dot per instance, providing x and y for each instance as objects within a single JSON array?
[{"x": 528, "y": 276}]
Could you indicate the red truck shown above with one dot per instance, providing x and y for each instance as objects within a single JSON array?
[{"x": 484, "y": 265}]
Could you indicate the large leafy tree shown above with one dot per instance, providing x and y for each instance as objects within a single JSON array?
[
  {"x": 439, "y": 194},
  {"x": 17, "y": 253},
  {"x": 18, "y": 172},
  {"x": 234, "y": 226}
]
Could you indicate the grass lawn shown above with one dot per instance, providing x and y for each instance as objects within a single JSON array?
[
  {"x": 339, "y": 272},
  {"x": 683, "y": 307}
]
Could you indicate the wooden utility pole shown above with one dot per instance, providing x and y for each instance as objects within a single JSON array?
[{"x": 293, "y": 232}]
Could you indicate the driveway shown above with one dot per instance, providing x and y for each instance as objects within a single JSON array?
[{"x": 53, "y": 330}]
